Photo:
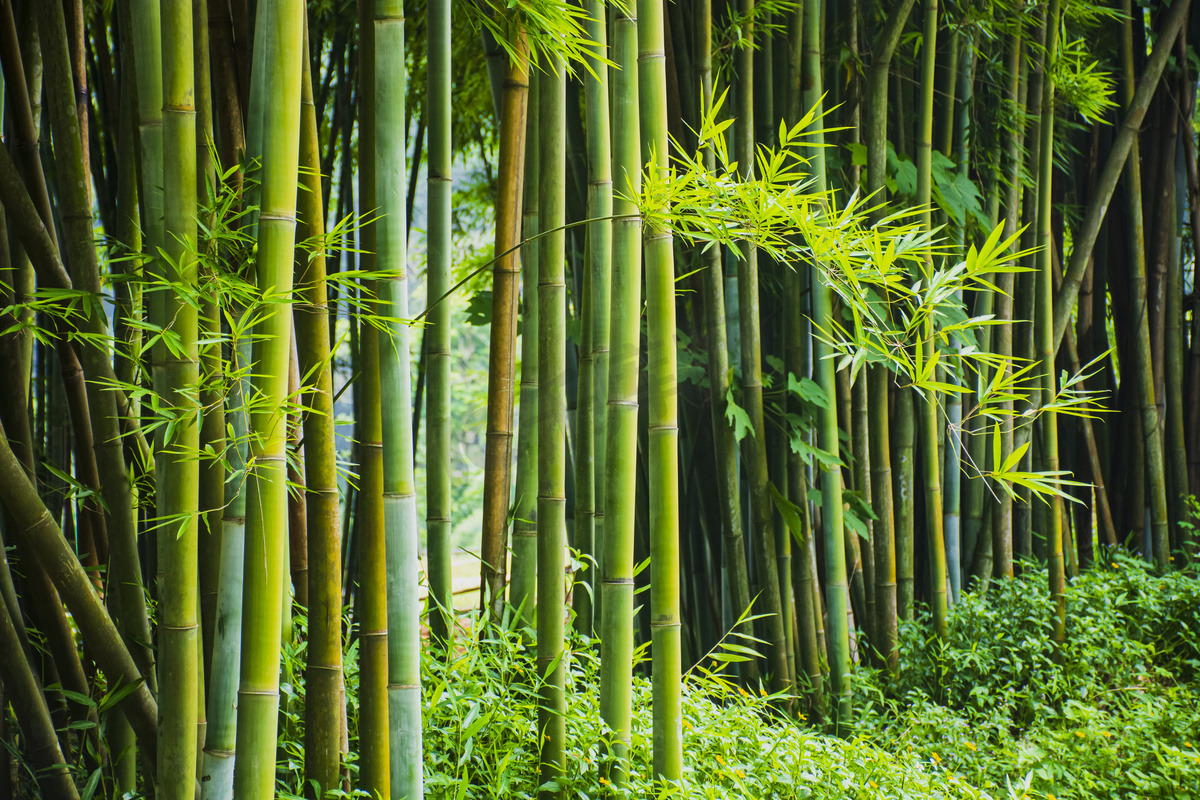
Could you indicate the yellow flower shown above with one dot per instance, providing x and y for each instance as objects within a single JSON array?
[
  {"x": 873, "y": 784},
  {"x": 1050, "y": 796},
  {"x": 743, "y": 692},
  {"x": 1080, "y": 734},
  {"x": 603, "y": 781},
  {"x": 935, "y": 758},
  {"x": 687, "y": 725},
  {"x": 720, "y": 760},
  {"x": 970, "y": 746}
]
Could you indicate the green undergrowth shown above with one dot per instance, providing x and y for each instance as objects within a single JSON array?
[{"x": 1115, "y": 714}]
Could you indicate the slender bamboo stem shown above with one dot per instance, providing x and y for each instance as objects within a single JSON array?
[
  {"x": 837, "y": 593},
  {"x": 523, "y": 586},
  {"x": 323, "y": 705},
  {"x": 502, "y": 349},
  {"x": 552, "y": 426},
  {"x": 281, "y": 26},
  {"x": 620, "y": 476},
  {"x": 399, "y": 485},
  {"x": 437, "y": 403}
]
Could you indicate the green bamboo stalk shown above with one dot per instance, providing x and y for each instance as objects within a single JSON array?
[
  {"x": 437, "y": 402},
  {"x": 807, "y": 613},
  {"x": 762, "y": 535},
  {"x": 178, "y": 488},
  {"x": 40, "y": 743},
  {"x": 1173, "y": 347},
  {"x": 663, "y": 466},
  {"x": 712, "y": 287},
  {"x": 216, "y": 777},
  {"x": 374, "y": 733},
  {"x": 552, "y": 423},
  {"x": 282, "y": 39},
  {"x": 1045, "y": 326},
  {"x": 620, "y": 475},
  {"x": 36, "y": 529},
  {"x": 1002, "y": 511},
  {"x": 523, "y": 586},
  {"x": 928, "y": 417},
  {"x": 323, "y": 704},
  {"x": 503, "y": 344},
  {"x": 837, "y": 593},
  {"x": 399, "y": 486},
  {"x": 594, "y": 322},
  {"x": 884, "y": 530},
  {"x": 1142, "y": 367}
]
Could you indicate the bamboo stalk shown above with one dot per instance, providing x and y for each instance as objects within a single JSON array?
[
  {"x": 437, "y": 403},
  {"x": 662, "y": 382},
  {"x": 503, "y": 344},
  {"x": 281, "y": 41},
  {"x": 552, "y": 427},
  {"x": 399, "y": 486},
  {"x": 620, "y": 476},
  {"x": 323, "y": 705},
  {"x": 374, "y": 732},
  {"x": 523, "y": 586}
]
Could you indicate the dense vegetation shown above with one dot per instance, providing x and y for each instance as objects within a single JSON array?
[{"x": 813, "y": 388}]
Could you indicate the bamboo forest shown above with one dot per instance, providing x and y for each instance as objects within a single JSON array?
[{"x": 572, "y": 399}]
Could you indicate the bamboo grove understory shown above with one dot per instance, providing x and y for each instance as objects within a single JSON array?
[{"x": 804, "y": 317}]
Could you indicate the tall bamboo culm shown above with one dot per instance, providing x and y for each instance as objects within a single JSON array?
[
  {"x": 281, "y": 46},
  {"x": 323, "y": 708},
  {"x": 552, "y": 425},
  {"x": 926, "y": 412},
  {"x": 395, "y": 394},
  {"x": 837, "y": 593},
  {"x": 178, "y": 479},
  {"x": 661, "y": 378},
  {"x": 437, "y": 398},
  {"x": 620, "y": 475},
  {"x": 593, "y": 361},
  {"x": 1045, "y": 326},
  {"x": 497, "y": 467},
  {"x": 523, "y": 586}
]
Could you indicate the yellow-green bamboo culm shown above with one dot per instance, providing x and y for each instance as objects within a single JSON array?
[
  {"x": 323, "y": 707},
  {"x": 837, "y": 598},
  {"x": 552, "y": 426},
  {"x": 662, "y": 383},
  {"x": 620, "y": 474},
  {"x": 523, "y": 586},
  {"x": 1045, "y": 328},
  {"x": 927, "y": 407},
  {"x": 280, "y": 49},
  {"x": 437, "y": 398},
  {"x": 594, "y": 319},
  {"x": 755, "y": 446},
  {"x": 395, "y": 394},
  {"x": 373, "y": 731},
  {"x": 178, "y": 479}
]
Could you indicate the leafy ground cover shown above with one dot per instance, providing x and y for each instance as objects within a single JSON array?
[
  {"x": 994, "y": 712},
  {"x": 1116, "y": 714}
]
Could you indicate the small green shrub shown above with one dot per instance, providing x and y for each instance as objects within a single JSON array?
[{"x": 1116, "y": 714}]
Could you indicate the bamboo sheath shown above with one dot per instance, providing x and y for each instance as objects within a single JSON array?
[
  {"x": 281, "y": 28},
  {"x": 399, "y": 485},
  {"x": 620, "y": 473}
]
